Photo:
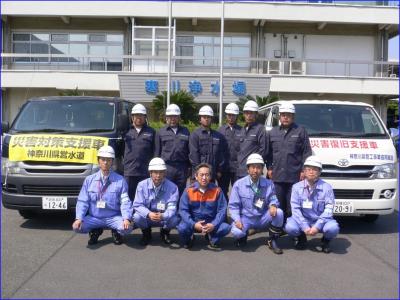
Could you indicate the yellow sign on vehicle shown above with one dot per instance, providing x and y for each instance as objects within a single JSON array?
[{"x": 56, "y": 148}]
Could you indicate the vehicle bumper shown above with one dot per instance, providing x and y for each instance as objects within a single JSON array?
[
  {"x": 377, "y": 204},
  {"x": 14, "y": 194}
]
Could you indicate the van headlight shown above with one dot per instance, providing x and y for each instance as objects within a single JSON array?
[
  {"x": 385, "y": 171},
  {"x": 10, "y": 167}
]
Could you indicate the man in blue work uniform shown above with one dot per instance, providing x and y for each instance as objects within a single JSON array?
[
  {"x": 104, "y": 202},
  {"x": 155, "y": 203},
  {"x": 231, "y": 132},
  {"x": 252, "y": 137},
  {"x": 207, "y": 145},
  {"x": 312, "y": 208},
  {"x": 202, "y": 209},
  {"x": 254, "y": 205},
  {"x": 139, "y": 149},
  {"x": 288, "y": 147},
  {"x": 172, "y": 145}
]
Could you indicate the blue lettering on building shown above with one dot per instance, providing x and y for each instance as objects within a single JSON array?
[
  {"x": 239, "y": 88},
  {"x": 151, "y": 87},
  {"x": 195, "y": 87}
]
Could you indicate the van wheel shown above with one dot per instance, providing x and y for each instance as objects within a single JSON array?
[
  {"x": 370, "y": 218},
  {"x": 27, "y": 214}
]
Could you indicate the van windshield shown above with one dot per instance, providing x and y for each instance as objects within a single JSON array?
[
  {"x": 66, "y": 116},
  {"x": 336, "y": 120}
]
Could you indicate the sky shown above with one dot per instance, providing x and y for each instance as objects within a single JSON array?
[{"x": 394, "y": 48}]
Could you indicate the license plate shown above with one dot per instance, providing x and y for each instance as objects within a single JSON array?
[
  {"x": 343, "y": 207},
  {"x": 54, "y": 202}
]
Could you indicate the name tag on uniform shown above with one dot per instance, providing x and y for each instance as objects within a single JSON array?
[
  {"x": 307, "y": 204},
  {"x": 259, "y": 203},
  {"x": 161, "y": 206},
  {"x": 101, "y": 204}
]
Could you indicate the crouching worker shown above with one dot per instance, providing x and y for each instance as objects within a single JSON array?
[
  {"x": 155, "y": 203},
  {"x": 103, "y": 202},
  {"x": 312, "y": 204},
  {"x": 203, "y": 210},
  {"x": 254, "y": 205}
]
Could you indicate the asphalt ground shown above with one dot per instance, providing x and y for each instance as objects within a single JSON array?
[{"x": 43, "y": 258}]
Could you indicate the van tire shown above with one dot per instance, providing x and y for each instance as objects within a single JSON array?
[
  {"x": 370, "y": 218},
  {"x": 27, "y": 214}
]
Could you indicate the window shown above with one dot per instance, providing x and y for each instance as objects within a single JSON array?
[
  {"x": 207, "y": 48},
  {"x": 72, "y": 47}
]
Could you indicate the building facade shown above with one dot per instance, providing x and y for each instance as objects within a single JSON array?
[{"x": 295, "y": 50}]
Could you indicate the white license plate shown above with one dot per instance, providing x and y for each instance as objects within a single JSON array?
[
  {"x": 54, "y": 203},
  {"x": 343, "y": 207}
]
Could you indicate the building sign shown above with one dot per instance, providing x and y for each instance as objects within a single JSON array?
[
  {"x": 204, "y": 87},
  {"x": 58, "y": 148}
]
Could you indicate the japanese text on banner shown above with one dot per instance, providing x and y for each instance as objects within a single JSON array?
[{"x": 58, "y": 148}]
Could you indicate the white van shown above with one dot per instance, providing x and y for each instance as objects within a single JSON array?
[{"x": 358, "y": 156}]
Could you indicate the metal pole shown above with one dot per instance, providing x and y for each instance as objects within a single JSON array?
[
  {"x": 221, "y": 71},
  {"x": 169, "y": 53}
]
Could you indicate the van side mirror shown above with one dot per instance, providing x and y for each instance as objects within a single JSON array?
[
  {"x": 268, "y": 128},
  {"x": 394, "y": 132},
  {"x": 5, "y": 126},
  {"x": 122, "y": 123}
]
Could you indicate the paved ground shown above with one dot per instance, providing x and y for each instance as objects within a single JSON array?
[{"x": 45, "y": 259}]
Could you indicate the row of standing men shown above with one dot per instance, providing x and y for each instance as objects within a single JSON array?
[{"x": 284, "y": 148}]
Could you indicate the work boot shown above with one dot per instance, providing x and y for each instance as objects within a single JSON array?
[
  {"x": 190, "y": 243},
  {"x": 117, "y": 238},
  {"x": 241, "y": 242},
  {"x": 211, "y": 245},
  {"x": 146, "y": 237},
  {"x": 165, "y": 237},
  {"x": 324, "y": 246},
  {"x": 274, "y": 233},
  {"x": 300, "y": 242},
  {"x": 94, "y": 236}
]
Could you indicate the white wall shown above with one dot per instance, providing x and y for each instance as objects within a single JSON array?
[{"x": 328, "y": 47}]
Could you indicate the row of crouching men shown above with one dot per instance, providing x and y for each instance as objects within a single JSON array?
[{"x": 104, "y": 202}]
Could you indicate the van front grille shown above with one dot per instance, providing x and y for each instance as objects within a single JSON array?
[
  {"x": 353, "y": 194},
  {"x": 51, "y": 190}
]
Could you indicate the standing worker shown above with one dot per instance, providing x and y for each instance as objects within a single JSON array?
[
  {"x": 139, "y": 149},
  {"x": 207, "y": 145},
  {"x": 254, "y": 205},
  {"x": 103, "y": 202},
  {"x": 231, "y": 132},
  {"x": 252, "y": 137},
  {"x": 312, "y": 208},
  {"x": 202, "y": 209},
  {"x": 172, "y": 145},
  {"x": 155, "y": 203},
  {"x": 288, "y": 147}
]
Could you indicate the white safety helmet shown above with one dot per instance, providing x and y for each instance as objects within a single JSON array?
[
  {"x": 255, "y": 158},
  {"x": 232, "y": 108},
  {"x": 139, "y": 109},
  {"x": 106, "y": 151},
  {"x": 250, "y": 106},
  {"x": 313, "y": 161},
  {"x": 287, "y": 107},
  {"x": 206, "y": 110},
  {"x": 157, "y": 164},
  {"x": 173, "y": 110}
]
